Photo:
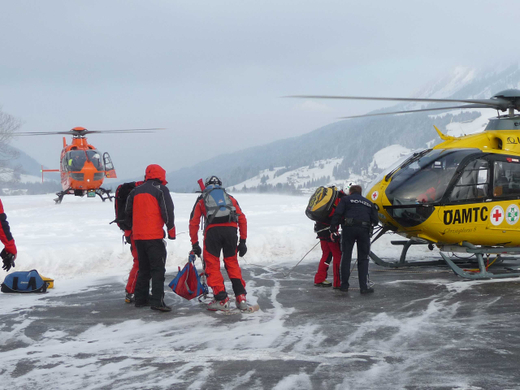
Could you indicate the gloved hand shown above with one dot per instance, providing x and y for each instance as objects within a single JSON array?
[
  {"x": 171, "y": 234},
  {"x": 196, "y": 249},
  {"x": 8, "y": 259},
  {"x": 128, "y": 237},
  {"x": 242, "y": 248},
  {"x": 334, "y": 236}
]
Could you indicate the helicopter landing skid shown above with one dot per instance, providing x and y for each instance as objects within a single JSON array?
[
  {"x": 402, "y": 260},
  {"x": 482, "y": 272},
  {"x": 104, "y": 194}
]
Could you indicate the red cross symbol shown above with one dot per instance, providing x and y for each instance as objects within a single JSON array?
[
  {"x": 497, "y": 215},
  {"x": 374, "y": 195}
]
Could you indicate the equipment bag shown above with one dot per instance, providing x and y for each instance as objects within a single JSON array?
[
  {"x": 24, "y": 282},
  {"x": 122, "y": 192},
  {"x": 218, "y": 204},
  {"x": 187, "y": 283},
  {"x": 322, "y": 204}
]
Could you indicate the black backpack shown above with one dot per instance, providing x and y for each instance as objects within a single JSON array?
[{"x": 122, "y": 192}]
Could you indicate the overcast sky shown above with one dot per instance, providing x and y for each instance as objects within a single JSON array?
[{"x": 213, "y": 72}]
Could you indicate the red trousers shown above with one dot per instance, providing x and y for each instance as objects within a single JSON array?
[
  {"x": 222, "y": 239},
  {"x": 329, "y": 249},
  {"x": 132, "y": 278}
]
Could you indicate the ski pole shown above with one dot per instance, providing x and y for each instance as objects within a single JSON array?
[{"x": 292, "y": 269}]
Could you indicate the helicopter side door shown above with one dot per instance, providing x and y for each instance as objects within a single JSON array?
[
  {"x": 465, "y": 211},
  {"x": 505, "y": 213},
  {"x": 110, "y": 171}
]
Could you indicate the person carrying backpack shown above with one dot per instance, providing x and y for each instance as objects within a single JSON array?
[
  {"x": 330, "y": 251},
  {"x": 223, "y": 216},
  {"x": 122, "y": 192},
  {"x": 9, "y": 252},
  {"x": 148, "y": 208}
]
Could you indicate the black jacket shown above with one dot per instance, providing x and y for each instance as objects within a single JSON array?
[{"x": 355, "y": 210}]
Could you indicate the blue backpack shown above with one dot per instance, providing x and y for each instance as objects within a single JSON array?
[
  {"x": 24, "y": 282},
  {"x": 218, "y": 204},
  {"x": 188, "y": 283}
]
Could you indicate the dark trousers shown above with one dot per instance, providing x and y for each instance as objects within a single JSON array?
[
  {"x": 152, "y": 261},
  {"x": 223, "y": 239},
  {"x": 349, "y": 236}
]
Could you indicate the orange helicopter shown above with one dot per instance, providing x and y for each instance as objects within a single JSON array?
[{"x": 82, "y": 167}]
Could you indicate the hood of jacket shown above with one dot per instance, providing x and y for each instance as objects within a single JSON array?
[{"x": 155, "y": 171}]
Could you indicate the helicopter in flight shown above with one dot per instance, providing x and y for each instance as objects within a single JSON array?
[
  {"x": 82, "y": 167},
  {"x": 462, "y": 195}
]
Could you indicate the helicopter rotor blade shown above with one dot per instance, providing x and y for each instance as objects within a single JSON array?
[
  {"x": 29, "y": 133},
  {"x": 149, "y": 130},
  {"x": 499, "y": 103},
  {"x": 83, "y": 132},
  {"x": 425, "y": 109}
]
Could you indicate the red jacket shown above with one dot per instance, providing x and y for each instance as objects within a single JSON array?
[
  {"x": 200, "y": 210},
  {"x": 5, "y": 232},
  {"x": 149, "y": 207}
]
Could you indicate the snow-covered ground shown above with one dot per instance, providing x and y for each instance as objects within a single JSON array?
[
  {"x": 75, "y": 239},
  {"x": 419, "y": 330}
]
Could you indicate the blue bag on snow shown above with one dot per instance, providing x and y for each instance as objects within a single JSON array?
[
  {"x": 187, "y": 283},
  {"x": 24, "y": 282}
]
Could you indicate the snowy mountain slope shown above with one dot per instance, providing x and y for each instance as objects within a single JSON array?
[{"x": 356, "y": 141}]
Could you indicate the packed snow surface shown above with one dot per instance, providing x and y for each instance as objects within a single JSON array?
[{"x": 416, "y": 331}]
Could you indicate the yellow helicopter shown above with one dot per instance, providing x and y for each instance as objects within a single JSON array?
[{"x": 462, "y": 195}]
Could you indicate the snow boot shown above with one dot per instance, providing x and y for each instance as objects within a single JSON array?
[
  {"x": 219, "y": 305},
  {"x": 325, "y": 283},
  {"x": 241, "y": 302},
  {"x": 129, "y": 298},
  {"x": 162, "y": 308}
]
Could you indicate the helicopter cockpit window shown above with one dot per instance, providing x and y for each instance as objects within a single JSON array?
[
  {"x": 95, "y": 158},
  {"x": 473, "y": 182},
  {"x": 426, "y": 179},
  {"x": 75, "y": 160},
  {"x": 506, "y": 180}
]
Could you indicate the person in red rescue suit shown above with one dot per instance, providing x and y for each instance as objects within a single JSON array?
[
  {"x": 148, "y": 208},
  {"x": 331, "y": 251},
  {"x": 220, "y": 237},
  {"x": 9, "y": 252},
  {"x": 132, "y": 277}
]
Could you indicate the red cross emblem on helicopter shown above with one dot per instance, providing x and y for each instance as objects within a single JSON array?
[
  {"x": 497, "y": 215},
  {"x": 375, "y": 195}
]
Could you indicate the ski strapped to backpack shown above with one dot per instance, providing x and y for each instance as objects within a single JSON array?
[
  {"x": 188, "y": 284},
  {"x": 122, "y": 192},
  {"x": 24, "y": 282},
  {"x": 322, "y": 204},
  {"x": 218, "y": 204}
]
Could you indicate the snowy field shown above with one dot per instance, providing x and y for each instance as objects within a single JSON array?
[{"x": 426, "y": 330}]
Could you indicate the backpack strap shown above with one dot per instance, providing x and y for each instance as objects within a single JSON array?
[
  {"x": 32, "y": 283},
  {"x": 15, "y": 283}
]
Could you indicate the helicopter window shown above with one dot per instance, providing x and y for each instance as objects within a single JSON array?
[
  {"x": 95, "y": 158},
  {"x": 425, "y": 180},
  {"x": 75, "y": 159},
  {"x": 506, "y": 180},
  {"x": 473, "y": 182}
]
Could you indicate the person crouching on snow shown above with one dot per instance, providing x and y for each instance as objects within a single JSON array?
[{"x": 222, "y": 216}]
